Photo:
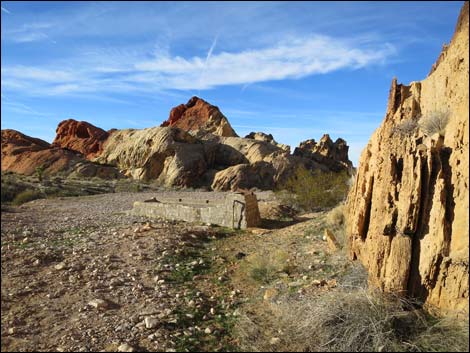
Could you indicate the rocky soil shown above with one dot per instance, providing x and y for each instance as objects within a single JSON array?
[{"x": 79, "y": 274}]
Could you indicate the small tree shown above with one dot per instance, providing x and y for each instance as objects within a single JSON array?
[{"x": 40, "y": 172}]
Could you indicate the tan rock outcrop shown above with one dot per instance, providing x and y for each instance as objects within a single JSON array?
[
  {"x": 261, "y": 136},
  {"x": 199, "y": 117},
  {"x": 80, "y": 136},
  {"x": 170, "y": 156},
  {"x": 245, "y": 176},
  {"x": 408, "y": 210},
  {"x": 334, "y": 155}
]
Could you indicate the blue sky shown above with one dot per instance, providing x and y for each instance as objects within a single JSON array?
[{"x": 293, "y": 69}]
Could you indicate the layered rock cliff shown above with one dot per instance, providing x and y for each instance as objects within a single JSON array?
[
  {"x": 408, "y": 211},
  {"x": 199, "y": 116}
]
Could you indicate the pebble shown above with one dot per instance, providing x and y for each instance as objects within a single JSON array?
[
  {"x": 151, "y": 322},
  {"x": 59, "y": 266},
  {"x": 98, "y": 304},
  {"x": 126, "y": 348},
  {"x": 275, "y": 340}
]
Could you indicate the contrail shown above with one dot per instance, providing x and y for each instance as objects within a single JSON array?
[
  {"x": 5, "y": 10},
  {"x": 209, "y": 54}
]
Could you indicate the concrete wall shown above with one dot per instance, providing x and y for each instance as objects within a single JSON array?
[{"x": 234, "y": 210}]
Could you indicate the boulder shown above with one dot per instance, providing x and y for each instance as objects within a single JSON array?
[
  {"x": 199, "y": 117},
  {"x": 408, "y": 210},
  {"x": 80, "y": 136}
]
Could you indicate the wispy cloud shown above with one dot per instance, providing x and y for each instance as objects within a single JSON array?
[{"x": 289, "y": 59}]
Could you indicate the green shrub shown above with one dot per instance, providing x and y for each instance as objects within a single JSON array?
[
  {"x": 315, "y": 190},
  {"x": 25, "y": 196}
]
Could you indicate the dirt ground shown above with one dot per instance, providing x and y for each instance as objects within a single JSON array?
[{"x": 79, "y": 274}]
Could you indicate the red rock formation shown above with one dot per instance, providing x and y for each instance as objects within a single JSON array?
[
  {"x": 199, "y": 116},
  {"x": 23, "y": 154},
  {"x": 80, "y": 136}
]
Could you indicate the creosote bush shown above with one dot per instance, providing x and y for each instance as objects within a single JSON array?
[
  {"x": 315, "y": 190},
  {"x": 434, "y": 122}
]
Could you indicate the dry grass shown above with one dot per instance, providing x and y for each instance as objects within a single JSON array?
[{"x": 354, "y": 320}]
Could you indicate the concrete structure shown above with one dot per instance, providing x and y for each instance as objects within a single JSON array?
[{"x": 228, "y": 209}]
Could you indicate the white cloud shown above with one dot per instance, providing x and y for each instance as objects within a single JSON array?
[
  {"x": 5, "y": 10},
  {"x": 127, "y": 72}
]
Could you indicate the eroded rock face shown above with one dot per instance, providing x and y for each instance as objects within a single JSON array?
[
  {"x": 334, "y": 155},
  {"x": 199, "y": 117},
  {"x": 80, "y": 136},
  {"x": 408, "y": 210}
]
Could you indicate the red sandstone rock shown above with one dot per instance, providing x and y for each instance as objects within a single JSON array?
[
  {"x": 23, "y": 154},
  {"x": 80, "y": 136},
  {"x": 199, "y": 116}
]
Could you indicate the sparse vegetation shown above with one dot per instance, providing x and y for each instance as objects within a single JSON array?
[
  {"x": 315, "y": 190},
  {"x": 26, "y": 196},
  {"x": 265, "y": 268},
  {"x": 405, "y": 128},
  {"x": 434, "y": 122},
  {"x": 357, "y": 320}
]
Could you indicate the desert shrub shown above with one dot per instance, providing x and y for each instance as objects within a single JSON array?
[
  {"x": 315, "y": 190},
  {"x": 10, "y": 188},
  {"x": 25, "y": 196},
  {"x": 434, "y": 122},
  {"x": 405, "y": 128},
  {"x": 355, "y": 320}
]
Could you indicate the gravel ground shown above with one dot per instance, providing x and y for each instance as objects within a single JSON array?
[{"x": 79, "y": 274}]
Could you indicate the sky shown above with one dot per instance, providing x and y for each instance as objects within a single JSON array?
[{"x": 296, "y": 70}]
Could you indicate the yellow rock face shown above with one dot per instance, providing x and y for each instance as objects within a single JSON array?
[{"x": 408, "y": 211}]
